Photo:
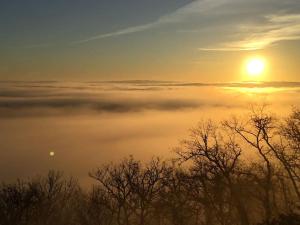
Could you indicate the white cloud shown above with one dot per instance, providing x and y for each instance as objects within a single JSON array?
[
  {"x": 260, "y": 35},
  {"x": 128, "y": 30},
  {"x": 179, "y": 15},
  {"x": 228, "y": 25}
]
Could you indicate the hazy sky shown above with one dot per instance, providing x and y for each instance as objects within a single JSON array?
[{"x": 201, "y": 40}]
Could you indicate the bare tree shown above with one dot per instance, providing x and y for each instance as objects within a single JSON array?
[
  {"x": 288, "y": 151},
  {"x": 115, "y": 182},
  {"x": 208, "y": 147},
  {"x": 95, "y": 208},
  {"x": 254, "y": 132},
  {"x": 176, "y": 203},
  {"x": 276, "y": 144},
  {"x": 146, "y": 187},
  {"x": 43, "y": 200}
]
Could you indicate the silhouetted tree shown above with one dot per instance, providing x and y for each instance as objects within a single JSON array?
[
  {"x": 219, "y": 155},
  {"x": 43, "y": 200}
]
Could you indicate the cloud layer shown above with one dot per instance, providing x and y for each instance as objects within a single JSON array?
[
  {"x": 93, "y": 122},
  {"x": 19, "y": 99}
]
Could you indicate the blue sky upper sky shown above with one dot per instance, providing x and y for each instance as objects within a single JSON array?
[
  {"x": 147, "y": 39},
  {"x": 36, "y": 22}
]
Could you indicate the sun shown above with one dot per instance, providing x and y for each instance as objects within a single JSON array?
[{"x": 255, "y": 67}]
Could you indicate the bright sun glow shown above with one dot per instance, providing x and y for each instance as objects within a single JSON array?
[{"x": 255, "y": 67}]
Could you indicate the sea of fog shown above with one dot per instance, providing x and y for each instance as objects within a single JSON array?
[{"x": 90, "y": 123}]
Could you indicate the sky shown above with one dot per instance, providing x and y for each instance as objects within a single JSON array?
[
  {"x": 87, "y": 82},
  {"x": 178, "y": 40}
]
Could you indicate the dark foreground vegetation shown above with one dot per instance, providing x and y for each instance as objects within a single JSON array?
[{"x": 233, "y": 173}]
